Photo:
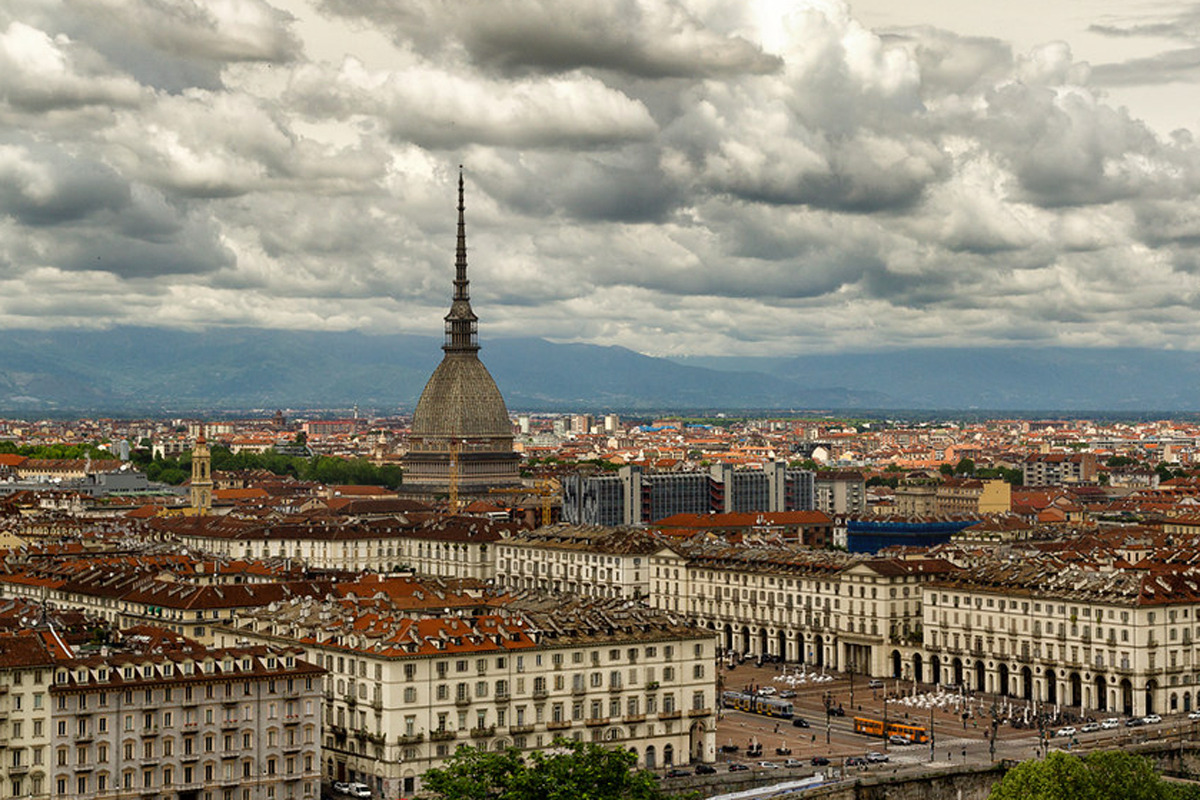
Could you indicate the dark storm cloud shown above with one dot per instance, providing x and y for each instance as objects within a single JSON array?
[
  {"x": 648, "y": 40},
  {"x": 1167, "y": 67}
]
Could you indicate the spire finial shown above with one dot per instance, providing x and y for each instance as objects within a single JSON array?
[{"x": 461, "y": 321}]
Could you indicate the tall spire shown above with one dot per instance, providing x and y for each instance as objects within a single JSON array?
[{"x": 461, "y": 323}]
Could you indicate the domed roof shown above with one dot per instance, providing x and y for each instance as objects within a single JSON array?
[{"x": 461, "y": 400}]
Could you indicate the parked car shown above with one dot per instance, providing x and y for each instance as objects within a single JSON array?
[
  {"x": 358, "y": 790},
  {"x": 768, "y": 765},
  {"x": 705, "y": 769},
  {"x": 1135, "y": 722},
  {"x": 856, "y": 761},
  {"x": 874, "y": 683},
  {"x": 783, "y": 751},
  {"x": 738, "y": 766},
  {"x": 678, "y": 773},
  {"x": 341, "y": 787},
  {"x": 1152, "y": 719},
  {"x": 787, "y": 694},
  {"x": 729, "y": 748},
  {"x": 820, "y": 761},
  {"x": 793, "y": 762},
  {"x": 800, "y": 722},
  {"x": 1110, "y": 723},
  {"x": 767, "y": 691},
  {"x": 1067, "y": 731},
  {"x": 896, "y": 738},
  {"x": 1194, "y": 715},
  {"x": 1091, "y": 727},
  {"x": 877, "y": 758}
]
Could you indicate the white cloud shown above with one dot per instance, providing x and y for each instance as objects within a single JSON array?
[{"x": 702, "y": 176}]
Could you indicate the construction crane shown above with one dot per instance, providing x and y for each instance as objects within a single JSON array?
[
  {"x": 454, "y": 450},
  {"x": 544, "y": 489}
]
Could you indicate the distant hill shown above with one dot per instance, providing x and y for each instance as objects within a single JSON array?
[
  {"x": 149, "y": 370},
  {"x": 159, "y": 371}
]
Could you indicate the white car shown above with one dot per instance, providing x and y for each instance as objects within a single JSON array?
[
  {"x": 340, "y": 787},
  {"x": 1067, "y": 731},
  {"x": 1152, "y": 719},
  {"x": 1194, "y": 715},
  {"x": 874, "y": 683},
  {"x": 358, "y": 790},
  {"x": 1110, "y": 723},
  {"x": 767, "y": 691},
  {"x": 1091, "y": 727},
  {"x": 768, "y": 765}
]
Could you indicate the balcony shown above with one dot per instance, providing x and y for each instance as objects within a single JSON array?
[
  {"x": 227, "y": 724},
  {"x": 484, "y": 732},
  {"x": 150, "y": 730},
  {"x": 676, "y": 714},
  {"x": 516, "y": 730},
  {"x": 442, "y": 736},
  {"x": 631, "y": 718},
  {"x": 595, "y": 722},
  {"x": 615, "y": 688},
  {"x": 190, "y": 757},
  {"x": 540, "y": 694},
  {"x": 411, "y": 738},
  {"x": 700, "y": 712},
  {"x": 18, "y": 769},
  {"x": 578, "y": 690},
  {"x": 502, "y": 697},
  {"x": 558, "y": 726},
  {"x": 462, "y": 700}
]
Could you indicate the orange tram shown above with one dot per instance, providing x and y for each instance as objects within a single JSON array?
[{"x": 873, "y": 727}]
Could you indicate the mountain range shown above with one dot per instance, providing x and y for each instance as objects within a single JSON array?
[{"x": 134, "y": 370}]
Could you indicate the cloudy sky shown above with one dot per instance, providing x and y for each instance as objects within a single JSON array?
[{"x": 754, "y": 177}]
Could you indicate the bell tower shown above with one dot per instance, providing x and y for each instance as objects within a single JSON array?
[{"x": 202, "y": 484}]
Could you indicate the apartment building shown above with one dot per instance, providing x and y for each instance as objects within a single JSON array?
[
  {"x": 126, "y": 594},
  {"x": 26, "y": 666},
  {"x": 830, "y": 609},
  {"x": 404, "y": 688},
  {"x": 1058, "y": 469},
  {"x": 1119, "y": 641},
  {"x": 239, "y": 723},
  {"x": 588, "y": 560},
  {"x": 458, "y": 547},
  {"x": 842, "y": 491}
]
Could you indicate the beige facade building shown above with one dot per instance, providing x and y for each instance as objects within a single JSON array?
[
  {"x": 589, "y": 560},
  {"x": 228, "y": 724},
  {"x": 827, "y": 609},
  {"x": 1124, "y": 642},
  {"x": 404, "y": 689}
]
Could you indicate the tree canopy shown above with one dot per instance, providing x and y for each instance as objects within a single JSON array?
[
  {"x": 322, "y": 469},
  {"x": 567, "y": 770},
  {"x": 1111, "y": 775}
]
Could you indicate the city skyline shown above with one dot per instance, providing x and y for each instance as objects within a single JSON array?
[{"x": 676, "y": 178}]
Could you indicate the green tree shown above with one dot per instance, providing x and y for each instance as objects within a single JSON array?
[
  {"x": 965, "y": 467},
  {"x": 1112, "y": 775},
  {"x": 567, "y": 770},
  {"x": 1119, "y": 461},
  {"x": 946, "y": 469}
]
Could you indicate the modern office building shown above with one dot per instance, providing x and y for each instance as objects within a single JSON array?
[{"x": 635, "y": 497}]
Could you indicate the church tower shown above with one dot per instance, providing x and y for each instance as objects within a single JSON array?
[
  {"x": 461, "y": 434},
  {"x": 202, "y": 485}
]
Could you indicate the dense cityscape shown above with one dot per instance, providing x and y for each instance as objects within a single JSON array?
[{"x": 740, "y": 513}]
